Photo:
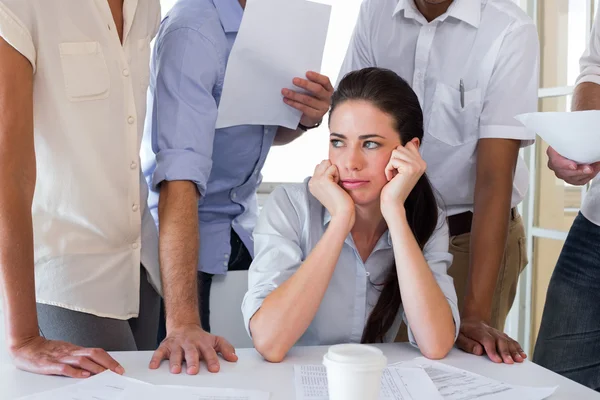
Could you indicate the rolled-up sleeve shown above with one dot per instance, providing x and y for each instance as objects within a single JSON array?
[
  {"x": 439, "y": 260},
  {"x": 278, "y": 253},
  {"x": 184, "y": 109},
  {"x": 16, "y": 19},
  {"x": 590, "y": 61},
  {"x": 513, "y": 87}
]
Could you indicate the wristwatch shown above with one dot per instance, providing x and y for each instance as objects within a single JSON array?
[{"x": 307, "y": 128}]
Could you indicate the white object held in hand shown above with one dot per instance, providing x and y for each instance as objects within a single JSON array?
[
  {"x": 574, "y": 135},
  {"x": 278, "y": 40}
]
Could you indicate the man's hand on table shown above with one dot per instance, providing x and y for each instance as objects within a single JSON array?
[
  {"x": 476, "y": 337},
  {"x": 192, "y": 344},
  {"x": 51, "y": 357}
]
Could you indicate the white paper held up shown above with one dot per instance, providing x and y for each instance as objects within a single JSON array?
[
  {"x": 396, "y": 384},
  {"x": 278, "y": 40},
  {"x": 574, "y": 135}
]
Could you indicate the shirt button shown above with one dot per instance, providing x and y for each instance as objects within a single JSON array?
[
  {"x": 125, "y": 72},
  {"x": 130, "y": 120},
  {"x": 226, "y": 256},
  {"x": 135, "y": 207},
  {"x": 419, "y": 75},
  {"x": 226, "y": 264},
  {"x": 133, "y": 165},
  {"x": 368, "y": 273},
  {"x": 135, "y": 246},
  {"x": 234, "y": 195}
]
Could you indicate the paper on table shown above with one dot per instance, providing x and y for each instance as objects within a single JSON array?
[
  {"x": 192, "y": 393},
  {"x": 457, "y": 384},
  {"x": 396, "y": 384},
  {"x": 574, "y": 135},
  {"x": 104, "y": 386},
  {"x": 277, "y": 41}
]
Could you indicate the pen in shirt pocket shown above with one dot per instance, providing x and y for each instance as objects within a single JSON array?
[{"x": 462, "y": 94}]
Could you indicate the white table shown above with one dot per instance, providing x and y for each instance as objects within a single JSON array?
[{"x": 252, "y": 372}]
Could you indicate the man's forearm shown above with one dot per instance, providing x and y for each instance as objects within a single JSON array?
[
  {"x": 488, "y": 241},
  {"x": 496, "y": 164},
  {"x": 16, "y": 260},
  {"x": 178, "y": 248},
  {"x": 586, "y": 97},
  {"x": 286, "y": 135}
]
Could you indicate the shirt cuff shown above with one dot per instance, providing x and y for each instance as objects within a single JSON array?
[
  {"x": 593, "y": 78},
  {"x": 252, "y": 302},
  {"x": 521, "y": 133},
  {"x": 14, "y": 32},
  {"x": 182, "y": 165}
]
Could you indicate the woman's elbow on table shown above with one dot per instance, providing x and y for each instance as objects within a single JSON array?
[
  {"x": 439, "y": 349},
  {"x": 266, "y": 342}
]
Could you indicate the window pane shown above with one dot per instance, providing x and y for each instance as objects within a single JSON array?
[{"x": 562, "y": 27}]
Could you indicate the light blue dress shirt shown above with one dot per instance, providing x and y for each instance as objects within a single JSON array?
[
  {"x": 290, "y": 225},
  {"x": 180, "y": 141}
]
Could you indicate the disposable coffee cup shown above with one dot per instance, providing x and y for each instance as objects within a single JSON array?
[{"x": 354, "y": 371}]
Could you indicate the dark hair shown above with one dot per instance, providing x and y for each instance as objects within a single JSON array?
[{"x": 391, "y": 94}]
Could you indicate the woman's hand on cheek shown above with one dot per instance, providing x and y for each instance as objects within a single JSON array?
[
  {"x": 403, "y": 172},
  {"x": 324, "y": 186}
]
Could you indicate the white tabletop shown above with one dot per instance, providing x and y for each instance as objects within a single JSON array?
[{"x": 252, "y": 372}]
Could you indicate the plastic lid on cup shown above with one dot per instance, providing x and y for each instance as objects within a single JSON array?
[{"x": 356, "y": 354}]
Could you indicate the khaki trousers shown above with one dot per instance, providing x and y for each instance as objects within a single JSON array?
[{"x": 515, "y": 260}]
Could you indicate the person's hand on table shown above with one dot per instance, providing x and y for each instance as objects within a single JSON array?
[
  {"x": 569, "y": 171},
  {"x": 315, "y": 103},
  {"x": 192, "y": 344},
  {"x": 476, "y": 337},
  {"x": 52, "y": 357}
]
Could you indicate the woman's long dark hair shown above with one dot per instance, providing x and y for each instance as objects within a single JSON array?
[{"x": 388, "y": 92}]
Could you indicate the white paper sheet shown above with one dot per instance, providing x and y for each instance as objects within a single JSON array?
[
  {"x": 458, "y": 384},
  {"x": 574, "y": 135},
  {"x": 192, "y": 393},
  {"x": 104, "y": 386},
  {"x": 396, "y": 384},
  {"x": 278, "y": 40},
  {"x": 111, "y": 386}
]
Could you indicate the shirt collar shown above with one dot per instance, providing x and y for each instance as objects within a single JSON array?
[
  {"x": 230, "y": 13},
  {"x": 468, "y": 11},
  {"x": 386, "y": 239}
]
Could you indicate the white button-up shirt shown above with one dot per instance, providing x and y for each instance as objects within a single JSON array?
[
  {"x": 91, "y": 225},
  {"x": 590, "y": 72},
  {"x": 289, "y": 227},
  {"x": 491, "y": 46}
]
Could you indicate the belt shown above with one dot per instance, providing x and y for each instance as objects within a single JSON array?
[{"x": 460, "y": 224}]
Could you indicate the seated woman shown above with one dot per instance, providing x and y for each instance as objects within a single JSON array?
[{"x": 362, "y": 246}]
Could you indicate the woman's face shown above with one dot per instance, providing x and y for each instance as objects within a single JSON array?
[{"x": 362, "y": 139}]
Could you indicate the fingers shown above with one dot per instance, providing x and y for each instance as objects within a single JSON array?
[
  {"x": 192, "y": 359},
  {"x": 559, "y": 162},
  {"x": 226, "y": 350},
  {"x": 160, "y": 354},
  {"x": 61, "y": 369},
  {"x": 503, "y": 348},
  {"x": 321, "y": 80},
  {"x": 484, "y": 338},
  {"x": 101, "y": 358},
  {"x": 83, "y": 363},
  {"x": 468, "y": 345},
  {"x": 333, "y": 173},
  {"x": 176, "y": 359},
  {"x": 300, "y": 101},
  {"x": 314, "y": 88},
  {"x": 210, "y": 357},
  {"x": 321, "y": 168},
  {"x": 515, "y": 351}
]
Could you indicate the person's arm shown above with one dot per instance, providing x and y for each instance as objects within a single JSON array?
[
  {"x": 430, "y": 317},
  {"x": 586, "y": 97},
  {"x": 313, "y": 105},
  {"x": 512, "y": 90},
  {"x": 183, "y": 127},
  {"x": 29, "y": 350},
  {"x": 286, "y": 312},
  {"x": 359, "y": 53}
]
